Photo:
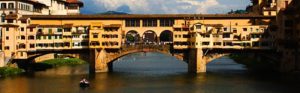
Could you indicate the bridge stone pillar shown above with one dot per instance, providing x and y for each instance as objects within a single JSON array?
[
  {"x": 98, "y": 61},
  {"x": 196, "y": 63}
]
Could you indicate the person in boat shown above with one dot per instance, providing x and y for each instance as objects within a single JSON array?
[{"x": 84, "y": 83}]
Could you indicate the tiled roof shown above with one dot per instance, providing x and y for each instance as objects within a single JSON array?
[
  {"x": 113, "y": 25},
  {"x": 9, "y": 25},
  {"x": 214, "y": 25},
  {"x": 67, "y": 25},
  {"x": 75, "y": 2},
  {"x": 32, "y": 26}
]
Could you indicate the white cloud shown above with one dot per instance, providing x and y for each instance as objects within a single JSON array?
[{"x": 165, "y": 6}]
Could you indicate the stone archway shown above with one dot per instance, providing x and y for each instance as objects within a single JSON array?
[
  {"x": 132, "y": 37},
  {"x": 149, "y": 37},
  {"x": 166, "y": 37}
]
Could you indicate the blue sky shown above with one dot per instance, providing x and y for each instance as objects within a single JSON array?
[{"x": 163, "y": 6}]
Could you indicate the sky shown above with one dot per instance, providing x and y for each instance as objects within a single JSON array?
[{"x": 164, "y": 6}]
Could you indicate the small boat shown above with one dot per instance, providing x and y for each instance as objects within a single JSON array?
[{"x": 84, "y": 83}]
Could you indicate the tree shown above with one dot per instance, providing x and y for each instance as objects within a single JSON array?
[
  {"x": 238, "y": 12},
  {"x": 130, "y": 38}
]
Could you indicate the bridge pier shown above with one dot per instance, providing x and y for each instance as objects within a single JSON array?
[
  {"x": 98, "y": 61},
  {"x": 196, "y": 62}
]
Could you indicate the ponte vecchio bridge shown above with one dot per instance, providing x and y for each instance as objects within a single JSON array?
[{"x": 100, "y": 39}]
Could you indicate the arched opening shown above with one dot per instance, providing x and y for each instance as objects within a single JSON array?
[
  {"x": 22, "y": 46},
  {"x": 53, "y": 61},
  {"x": 149, "y": 37},
  {"x": 166, "y": 37},
  {"x": 132, "y": 37}
]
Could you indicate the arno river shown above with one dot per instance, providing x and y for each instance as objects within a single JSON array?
[{"x": 152, "y": 73}]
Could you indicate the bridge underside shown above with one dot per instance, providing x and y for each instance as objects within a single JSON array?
[{"x": 101, "y": 60}]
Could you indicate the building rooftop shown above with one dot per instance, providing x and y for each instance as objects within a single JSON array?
[
  {"x": 174, "y": 16},
  {"x": 75, "y": 2}
]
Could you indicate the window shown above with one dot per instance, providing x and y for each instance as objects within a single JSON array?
[
  {"x": 150, "y": 22},
  {"x": 40, "y": 30},
  {"x": 245, "y": 29},
  {"x": 67, "y": 30},
  {"x": 11, "y": 6},
  {"x": 31, "y": 29},
  {"x": 49, "y": 30},
  {"x": 7, "y": 28},
  {"x": 226, "y": 35},
  {"x": 22, "y": 6},
  {"x": 10, "y": 21},
  {"x": 132, "y": 23},
  {"x": 95, "y": 35},
  {"x": 31, "y": 37},
  {"x": 6, "y": 48},
  {"x": 22, "y": 37},
  {"x": 234, "y": 30},
  {"x": 166, "y": 22},
  {"x": 24, "y": 21},
  {"x": 7, "y": 37},
  {"x": 3, "y": 18},
  {"x": 49, "y": 37},
  {"x": 3, "y": 6},
  {"x": 186, "y": 36},
  {"x": 225, "y": 29},
  {"x": 22, "y": 29},
  {"x": 38, "y": 37},
  {"x": 22, "y": 46},
  {"x": 198, "y": 26},
  {"x": 205, "y": 43},
  {"x": 177, "y": 29},
  {"x": 75, "y": 36}
]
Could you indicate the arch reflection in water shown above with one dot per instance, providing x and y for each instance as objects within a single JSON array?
[{"x": 151, "y": 63}]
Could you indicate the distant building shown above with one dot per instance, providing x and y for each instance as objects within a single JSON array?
[{"x": 40, "y": 7}]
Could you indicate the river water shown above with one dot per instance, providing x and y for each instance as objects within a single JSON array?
[{"x": 151, "y": 73}]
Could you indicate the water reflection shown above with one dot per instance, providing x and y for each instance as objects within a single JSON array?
[{"x": 150, "y": 72}]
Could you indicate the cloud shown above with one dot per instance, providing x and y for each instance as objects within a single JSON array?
[{"x": 162, "y": 6}]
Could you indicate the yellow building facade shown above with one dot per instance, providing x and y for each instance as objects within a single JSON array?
[{"x": 42, "y": 33}]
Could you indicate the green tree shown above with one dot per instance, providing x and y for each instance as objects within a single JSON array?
[{"x": 130, "y": 38}]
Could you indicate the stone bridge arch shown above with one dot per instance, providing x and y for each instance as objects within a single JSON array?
[
  {"x": 101, "y": 60},
  {"x": 31, "y": 56}
]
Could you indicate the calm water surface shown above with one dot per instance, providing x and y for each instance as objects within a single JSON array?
[{"x": 151, "y": 73}]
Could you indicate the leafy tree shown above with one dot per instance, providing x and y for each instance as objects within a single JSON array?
[{"x": 130, "y": 38}]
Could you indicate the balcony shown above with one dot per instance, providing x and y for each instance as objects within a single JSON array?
[
  {"x": 79, "y": 32},
  {"x": 44, "y": 34}
]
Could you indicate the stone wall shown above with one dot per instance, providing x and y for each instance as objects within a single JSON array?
[
  {"x": 2, "y": 64},
  {"x": 44, "y": 57}
]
